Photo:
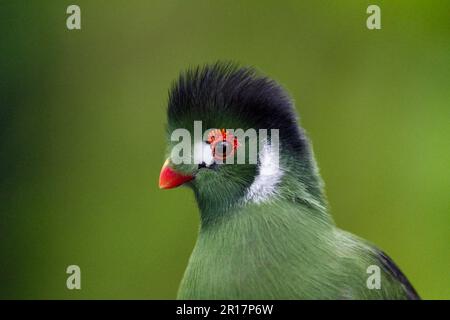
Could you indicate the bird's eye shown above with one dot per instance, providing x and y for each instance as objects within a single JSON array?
[
  {"x": 222, "y": 149},
  {"x": 223, "y": 143}
]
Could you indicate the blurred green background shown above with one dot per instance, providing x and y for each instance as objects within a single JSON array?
[{"x": 82, "y": 138}]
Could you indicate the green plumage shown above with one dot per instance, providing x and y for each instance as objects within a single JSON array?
[
  {"x": 285, "y": 246},
  {"x": 282, "y": 250}
]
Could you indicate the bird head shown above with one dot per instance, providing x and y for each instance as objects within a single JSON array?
[{"x": 233, "y": 137}]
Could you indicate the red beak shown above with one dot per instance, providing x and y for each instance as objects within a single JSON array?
[{"x": 169, "y": 178}]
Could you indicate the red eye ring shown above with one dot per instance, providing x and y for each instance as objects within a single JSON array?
[{"x": 219, "y": 137}]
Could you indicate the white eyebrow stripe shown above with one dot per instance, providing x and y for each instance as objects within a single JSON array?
[{"x": 269, "y": 175}]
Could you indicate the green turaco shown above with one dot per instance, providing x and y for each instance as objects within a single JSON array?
[{"x": 266, "y": 232}]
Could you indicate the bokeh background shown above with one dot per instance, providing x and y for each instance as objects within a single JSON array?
[{"x": 82, "y": 138}]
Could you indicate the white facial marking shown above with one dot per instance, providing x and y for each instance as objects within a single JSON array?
[
  {"x": 269, "y": 175},
  {"x": 203, "y": 153}
]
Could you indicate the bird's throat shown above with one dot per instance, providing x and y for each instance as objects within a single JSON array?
[{"x": 248, "y": 246}]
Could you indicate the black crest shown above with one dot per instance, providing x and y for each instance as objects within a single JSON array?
[{"x": 224, "y": 95}]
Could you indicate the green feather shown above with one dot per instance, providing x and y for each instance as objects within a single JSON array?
[
  {"x": 285, "y": 246},
  {"x": 282, "y": 249}
]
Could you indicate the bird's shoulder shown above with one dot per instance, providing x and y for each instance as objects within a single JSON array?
[{"x": 366, "y": 258}]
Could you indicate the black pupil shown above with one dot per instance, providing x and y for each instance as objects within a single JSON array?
[{"x": 223, "y": 148}]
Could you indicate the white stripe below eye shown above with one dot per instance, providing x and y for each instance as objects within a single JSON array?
[{"x": 269, "y": 175}]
